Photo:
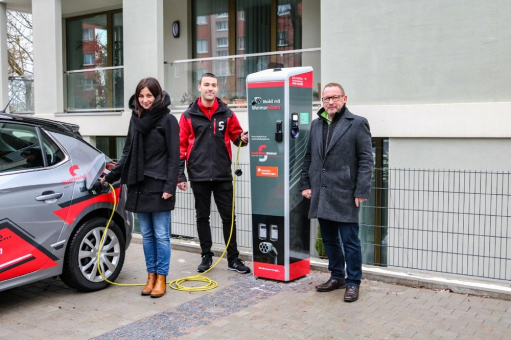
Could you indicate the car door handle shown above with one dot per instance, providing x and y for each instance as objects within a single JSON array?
[{"x": 49, "y": 195}]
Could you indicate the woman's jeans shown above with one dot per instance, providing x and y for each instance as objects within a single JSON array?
[
  {"x": 342, "y": 246},
  {"x": 156, "y": 241}
]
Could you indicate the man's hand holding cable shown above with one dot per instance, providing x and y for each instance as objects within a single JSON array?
[
  {"x": 244, "y": 137},
  {"x": 182, "y": 185}
]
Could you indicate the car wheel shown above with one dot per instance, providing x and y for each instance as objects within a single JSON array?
[{"x": 80, "y": 264}]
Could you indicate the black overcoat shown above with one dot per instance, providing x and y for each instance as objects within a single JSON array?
[
  {"x": 161, "y": 164},
  {"x": 340, "y": 173}
]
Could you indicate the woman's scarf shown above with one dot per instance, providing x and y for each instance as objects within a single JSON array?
[{"x": 142, "y": 126}]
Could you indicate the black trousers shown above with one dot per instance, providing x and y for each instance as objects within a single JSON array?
[{"x": 222, "y": 192}]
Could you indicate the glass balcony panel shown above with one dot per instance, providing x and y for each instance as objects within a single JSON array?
[
  {"x": 21, "y": 94},
  {"x": 182, "y": 77},
  {"x": 95, "y": 90}
]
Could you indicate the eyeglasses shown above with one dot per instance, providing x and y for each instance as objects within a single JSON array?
[{"x": 334, "y": 99}]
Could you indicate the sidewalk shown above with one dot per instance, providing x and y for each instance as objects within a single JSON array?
[{"x": 243, "y": 307}]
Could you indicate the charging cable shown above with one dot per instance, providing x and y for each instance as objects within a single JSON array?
[{"x": 178, "y": 283}]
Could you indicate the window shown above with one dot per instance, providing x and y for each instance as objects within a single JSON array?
[
  {"x": 53, "y": 153},
  {"x": 221, "y": 68},
  {"x": 88, "y": 84},
  {"x": 283, "y": 10},
  {"x": 88, "y": 59},
  {"x": 246, "y": 27},
  {"x": 95, "y": 40},
  {"x": 222, "y": 42},
  {"x": 222, "y": 53},
  {"x": 202, "y": 46},
  {"x": 19, "y": 148},
  {"x": 88, "y": 34},
  {"x": 282, "y": 38},
  {"x": 202, "y": 20},
  {"x": 241, "y": 43},
  {"x": 222, "y": 26},
  {"x": 111, "y": 146}
]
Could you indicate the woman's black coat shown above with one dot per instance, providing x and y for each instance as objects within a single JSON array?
[{"x": 161, "y": 154}]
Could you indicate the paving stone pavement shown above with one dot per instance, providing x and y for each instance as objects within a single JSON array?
[{"x": 244, "y": 307}]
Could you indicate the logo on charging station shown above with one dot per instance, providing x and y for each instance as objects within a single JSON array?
[
  {"x": 267, "y": 171},
  {"x": 263, "y": 155},
  {"x": 259, "y": 104}
]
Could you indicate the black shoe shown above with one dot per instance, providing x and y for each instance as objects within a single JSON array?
[
  {"x": 330, "y": 285},
  {"x": 351, "y": 294},
  {"x": 239, "y": 266},
  {"x": 207, "y": 261}
]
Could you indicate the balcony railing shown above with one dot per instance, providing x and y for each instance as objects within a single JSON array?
[
  {"x": 21, "y": 94},
  {"x": 182, "y": 76},
  {"x": 95, "y": 89}
]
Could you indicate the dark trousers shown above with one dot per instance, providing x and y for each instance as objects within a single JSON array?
[
  {"x": 333, "y": 233},
  {"x": 222, "y": 192}
]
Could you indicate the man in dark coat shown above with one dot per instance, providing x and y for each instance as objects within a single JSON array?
[{"x": 336, "y": 177}]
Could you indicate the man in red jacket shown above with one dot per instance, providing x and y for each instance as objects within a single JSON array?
[{"x": 207, "y": 129}]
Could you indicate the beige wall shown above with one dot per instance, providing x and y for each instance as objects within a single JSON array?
[
  {"x": 423, "y": 51},
  {"x": 489, "y": 154},
  {"x": 72, "y": 8}
]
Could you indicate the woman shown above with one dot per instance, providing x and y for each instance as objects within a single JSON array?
[{"x": 149, "y": 167}]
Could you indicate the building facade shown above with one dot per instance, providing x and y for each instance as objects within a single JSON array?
[{"x": 432, "y": 77}]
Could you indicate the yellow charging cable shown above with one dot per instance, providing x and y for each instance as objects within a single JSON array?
[
  {"x": 177, "y": 283},
  {"x": 103, "y": 240}
]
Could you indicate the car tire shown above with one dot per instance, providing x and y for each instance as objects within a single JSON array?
[{"x": 80, "y": 263}]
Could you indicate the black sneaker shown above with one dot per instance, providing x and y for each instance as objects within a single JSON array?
[
  {"x": 205, "y": 264},
  {"x": 239, "y": 266}
]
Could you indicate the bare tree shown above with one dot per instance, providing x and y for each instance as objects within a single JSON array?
[
  {"x": 19, "y": 43},
  {"x": 20, "y": 61}
]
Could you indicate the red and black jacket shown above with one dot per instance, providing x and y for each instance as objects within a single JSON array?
[{"x": 205, "y": 141}]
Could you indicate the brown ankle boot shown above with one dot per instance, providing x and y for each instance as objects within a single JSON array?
[
  {"x": 151, "y": 280},
  {"x": 159, "y": 287}
]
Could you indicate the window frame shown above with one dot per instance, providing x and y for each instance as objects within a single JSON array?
[
  {"x": 240, "y": 45},
  {"x": 222, "y": 39},
  {"x": 233, "y": 15},
  {"x": 203, "y": 21},
  {"x": 282, "y": 41},
  {"x": 90, "y": 34},
  {"x": 110, "y": 36},
  {"x": 222, "y": 23},
  {"x": 93, "y": 57},
  {"x": 206, "y": 50}
]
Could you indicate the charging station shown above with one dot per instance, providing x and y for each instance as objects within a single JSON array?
[{"x": 279, "y": 114}]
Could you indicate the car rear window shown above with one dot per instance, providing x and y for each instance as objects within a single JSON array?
[
  {"x": 20, "y": 148},
  {"x": 53, "y": 152}
]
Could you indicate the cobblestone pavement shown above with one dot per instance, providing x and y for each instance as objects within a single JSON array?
[{"x": 244, "y": 307}]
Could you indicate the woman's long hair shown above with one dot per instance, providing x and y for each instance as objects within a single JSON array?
[{"x": 154, "y": 87}]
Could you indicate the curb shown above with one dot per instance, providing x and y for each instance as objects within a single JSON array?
[{"x": 401, "y": 276}]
